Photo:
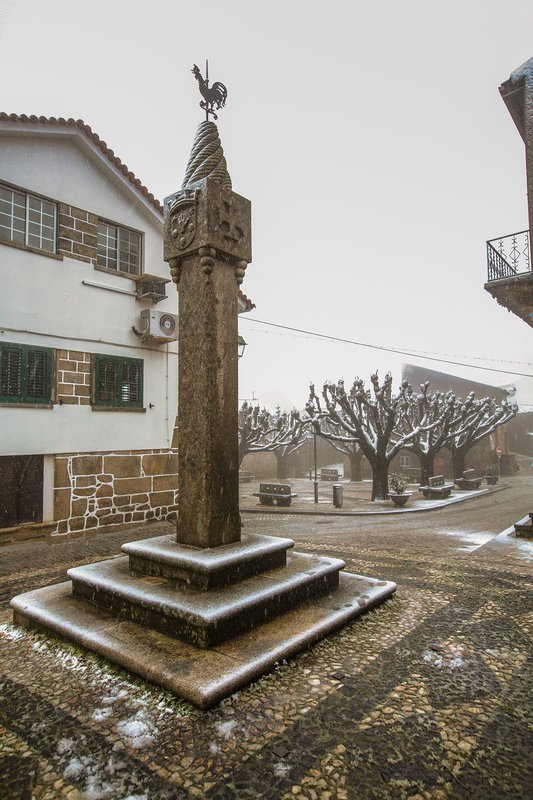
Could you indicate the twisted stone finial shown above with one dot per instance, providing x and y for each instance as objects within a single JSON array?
[{"x": 207, "y": 157}]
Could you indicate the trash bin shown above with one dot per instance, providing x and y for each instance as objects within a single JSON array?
[{"x": 337, "y": 495}]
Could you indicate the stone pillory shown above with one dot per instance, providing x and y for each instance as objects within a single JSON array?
[
  {"x": 182, "y": 610},
  {"x": 207, "y": 243}
]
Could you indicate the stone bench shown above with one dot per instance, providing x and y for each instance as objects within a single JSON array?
[
  {"x": 327, "y": 474},
  {"x": 275, "y": 493},
  {"x": 469, "y": 480},
  {"x": 436, "y": 487},
  {"x": 245, "y": 476}
]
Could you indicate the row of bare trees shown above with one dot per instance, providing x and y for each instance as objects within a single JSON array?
[{"x": 377, "y": 423}]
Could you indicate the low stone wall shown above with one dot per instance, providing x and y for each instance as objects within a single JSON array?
[{"x": 93, "y": 490}]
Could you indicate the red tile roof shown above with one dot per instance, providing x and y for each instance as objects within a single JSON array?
[
  {"x": 79, "y": 125},
  {"x": 248, "y": 305}
]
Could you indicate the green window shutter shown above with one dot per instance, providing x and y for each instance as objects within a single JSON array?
[
  {"x": 118, "y": 382},
  {"x": 39, "y": 374},
  {"x": 10, "y": 373},
  {"x": 131, "y": 386},
  {"x": 25, "y": 374}
]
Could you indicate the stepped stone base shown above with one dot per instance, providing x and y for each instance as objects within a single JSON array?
[
  {"x": 204, "y": 618},
  {"x": 207, "y": 568},
  {"x": 201, "y": 622},
  {"x": 204, "y": 677}
]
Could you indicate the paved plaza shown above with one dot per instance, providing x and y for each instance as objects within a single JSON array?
[{"x": 427, "y": 696}]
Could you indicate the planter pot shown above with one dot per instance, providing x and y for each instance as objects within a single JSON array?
[
  {"x": 492, "y": 480},
  {"x": 399, "y": 498}
]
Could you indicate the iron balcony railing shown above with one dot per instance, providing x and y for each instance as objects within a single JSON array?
[{"x": 509, "y": 255}]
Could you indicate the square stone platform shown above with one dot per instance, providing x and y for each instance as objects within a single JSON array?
[{"x": 154, "y": 616}]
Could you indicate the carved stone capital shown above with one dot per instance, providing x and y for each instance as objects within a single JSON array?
[
  {"x": 175, "y": 269},
  {"x": 240, "y": 269},
  {"x": 210, "y": 215}
]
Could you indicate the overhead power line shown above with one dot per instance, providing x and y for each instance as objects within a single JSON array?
[{"x": 413, "y": 354}]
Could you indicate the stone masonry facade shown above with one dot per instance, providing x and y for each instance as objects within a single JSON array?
[
  {"x": 73, "y": 371},
  {"x": 96, "y": 490},
  {"x": 78, "y": 232}
]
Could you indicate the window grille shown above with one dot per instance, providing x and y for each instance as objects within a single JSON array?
[
  {"x": 118, "y": 248},
  {"x": 27, "y": 219},
  {"x": 25, "y": 374},
  {"x": 118, "y": 382}
]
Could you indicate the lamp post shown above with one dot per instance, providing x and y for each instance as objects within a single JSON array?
[{"x": 316, "y": 477}]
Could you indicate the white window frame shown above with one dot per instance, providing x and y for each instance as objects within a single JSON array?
[
  {"x": 405, "y": 461},
  {"x": 28, "y": 196},
  {"x": 106, "y": 257}
]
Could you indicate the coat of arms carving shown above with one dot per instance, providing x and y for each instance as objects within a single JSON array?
[{"x": 182, "y": 221}]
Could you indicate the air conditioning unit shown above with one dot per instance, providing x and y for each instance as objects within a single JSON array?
[{"x": 158, "y": 325}]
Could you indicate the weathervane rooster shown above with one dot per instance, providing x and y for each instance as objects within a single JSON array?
[{"x": 214, "y": 96}]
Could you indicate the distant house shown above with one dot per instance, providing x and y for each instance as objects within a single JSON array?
[{"x": 88, "y": 330}]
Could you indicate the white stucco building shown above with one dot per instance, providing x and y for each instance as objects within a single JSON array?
[{"x": 87, "y": 405}]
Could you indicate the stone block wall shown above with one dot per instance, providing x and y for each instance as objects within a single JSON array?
[
  {"x": 77, "y": 233},
  {"x": 99, "y": 489},
  {"x": 73, "y": 370}
]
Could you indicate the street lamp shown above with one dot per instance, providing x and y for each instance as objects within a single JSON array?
[
  {"x": 241, "y": 344},
  {"x": 314, "y": 456}
]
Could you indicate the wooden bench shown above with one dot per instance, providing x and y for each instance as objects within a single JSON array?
[
  {"x": 329, "y": 474},
  {"x": 469, "y": 480},
  {"x": 270, "y": 493},
  {"x": 245, "y": 476},
  {"x": 436, "y": 487}
]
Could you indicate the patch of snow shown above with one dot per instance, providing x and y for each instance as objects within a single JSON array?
[
  {"x": 40, "y": 647},
  {"x": 11, "y": 633},
  {"x": 101, "y": 714},
  {"x": 65, "y": 746},
  {"x": 472, "y": 539},
  {"x": 224, "y": 729},
  {"x": 137, "y": 731},
  {"x": 136, "y": 797},
  {"x": 214, "y": 748},
  {"x": 73, "y": 769},
  {"x": 281, "y": 769},
  {"x": 452, "y": 659},
  {"x": 70, "y": 662},
  {"x": 102, "y": 780},
  {"x": 114, "y": 695}
]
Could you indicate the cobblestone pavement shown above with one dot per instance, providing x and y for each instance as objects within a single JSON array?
[{"x": 428, "y": 696}]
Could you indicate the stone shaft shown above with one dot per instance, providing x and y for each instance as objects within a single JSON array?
[{"x": 208, "y": 462}]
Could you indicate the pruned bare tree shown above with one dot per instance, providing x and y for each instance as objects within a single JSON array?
[
  {"x": 262, "y": 431},
  {"x": 366, "y": 417},
  {"x": 478, "y": 419},
  {"x": 426, "y": 423}
]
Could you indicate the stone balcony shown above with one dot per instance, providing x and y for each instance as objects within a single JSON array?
[{"x": 509, "y": 278}]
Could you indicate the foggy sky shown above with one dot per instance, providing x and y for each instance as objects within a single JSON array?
[{"x": 370, "y": 138}]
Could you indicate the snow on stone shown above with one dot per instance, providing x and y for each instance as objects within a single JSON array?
[
  {"x": 70, "y": 662},
  {"x": 101, "y": 714},
  {"x": 11, "y": 633},
  {"x": 101, "y": 781},
  {"x": 452, "y": 659},
  {"x": 224, "y": 729},
  {"x": 65, "y": 746},
  {"x": 525, "y": 70},
  {"x": 114, "y": 695},
  {"x": 73, "y": 769},
  {"x": 138, "y": 731}
]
